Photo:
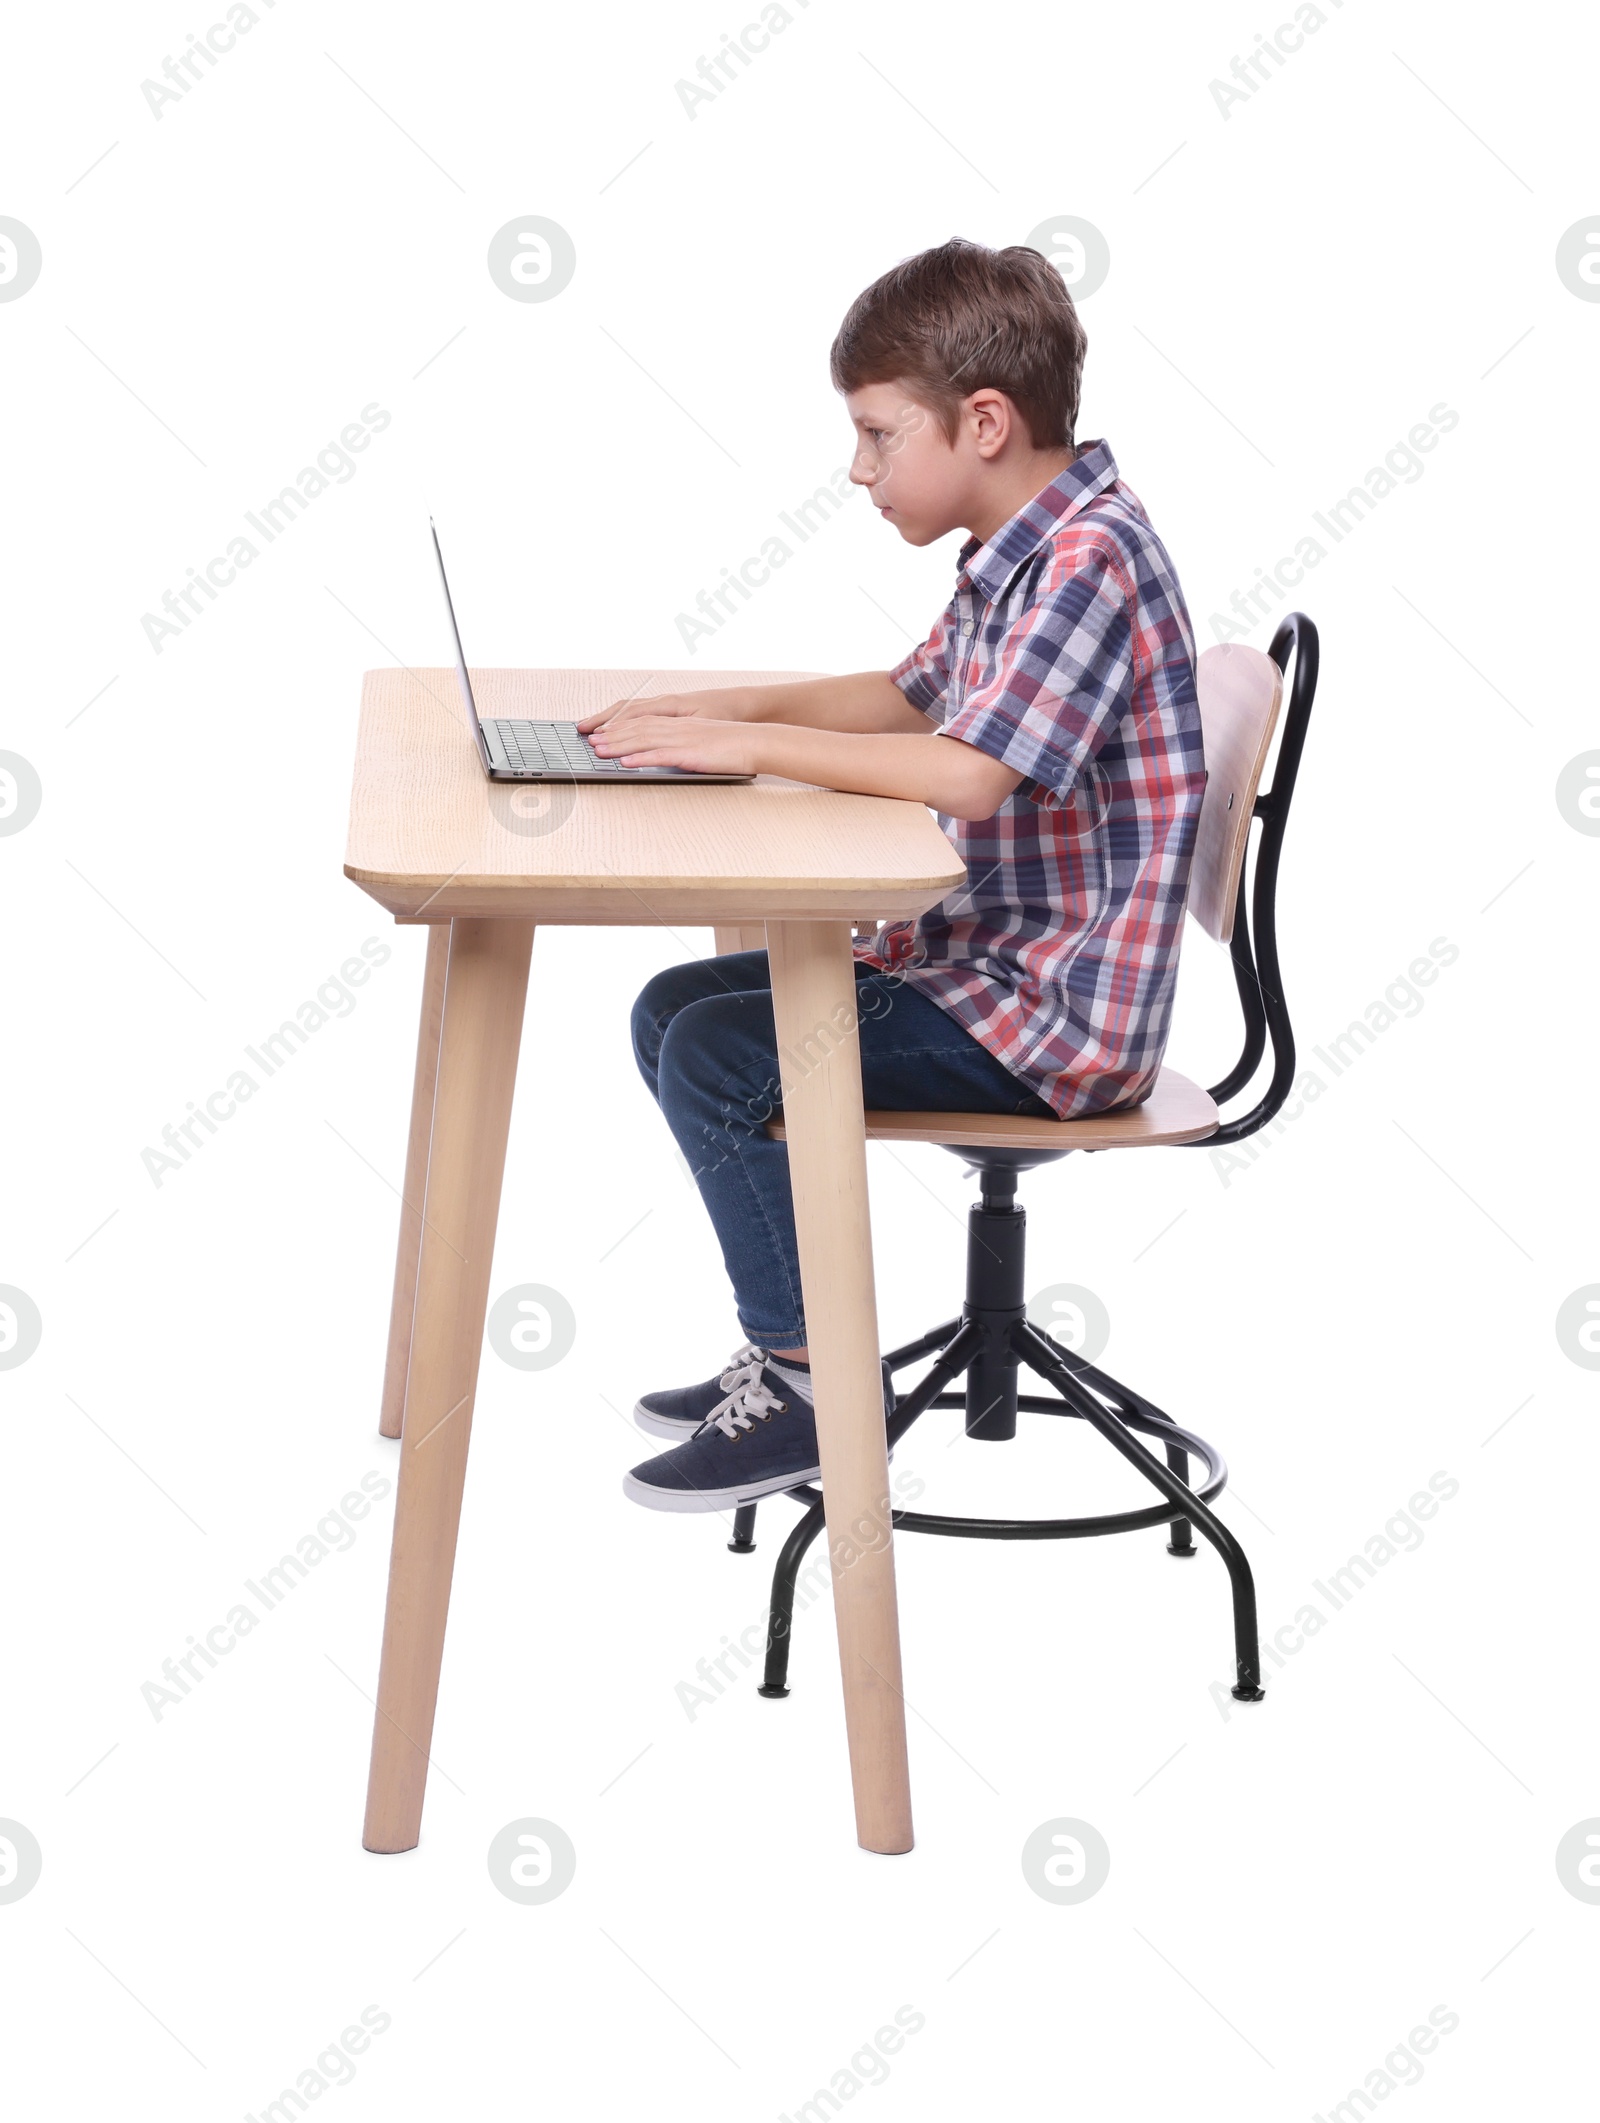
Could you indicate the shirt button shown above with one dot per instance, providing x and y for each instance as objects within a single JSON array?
[{"x": 966, "y": 626}]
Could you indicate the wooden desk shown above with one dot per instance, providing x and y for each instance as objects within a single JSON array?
[{"x": 482, "y": 863}]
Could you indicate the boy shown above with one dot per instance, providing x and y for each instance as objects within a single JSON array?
[{"x": 1050, "y": 719}]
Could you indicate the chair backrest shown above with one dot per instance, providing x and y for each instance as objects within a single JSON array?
[{"x": 1241, "y": 691}]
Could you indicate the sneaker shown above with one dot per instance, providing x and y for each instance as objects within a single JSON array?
[
  {"x": 759, "y": 1439},
  {"x": 679, "y": 1411}
]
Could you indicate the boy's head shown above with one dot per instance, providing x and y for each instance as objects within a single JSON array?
[{"x": 961, "y": 370}]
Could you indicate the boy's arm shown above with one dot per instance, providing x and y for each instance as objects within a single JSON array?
[
  {"x": 946, "y": 772},
  {"x": 861, "y": 701}
]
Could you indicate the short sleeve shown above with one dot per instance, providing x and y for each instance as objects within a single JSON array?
[
  {"x": 1062, "y": 678},
  {"x": 924, "y": 676}
]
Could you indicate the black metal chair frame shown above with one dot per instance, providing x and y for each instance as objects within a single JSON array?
[{"x": 993, "y": 1337}]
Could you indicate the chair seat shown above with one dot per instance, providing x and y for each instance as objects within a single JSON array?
[{"x": 1176, "y": 1111}]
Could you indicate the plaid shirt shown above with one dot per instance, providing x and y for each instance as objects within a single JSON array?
[{"x": 1066, "y": 652}]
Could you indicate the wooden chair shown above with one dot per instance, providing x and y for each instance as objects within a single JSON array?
[{"x": 1241, "y": 692}]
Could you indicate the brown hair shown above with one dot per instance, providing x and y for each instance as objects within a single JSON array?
[{"x": 965, "y": 318}]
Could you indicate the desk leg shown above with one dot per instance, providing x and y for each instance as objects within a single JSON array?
[
  {"x": 746, "y": 936},
  {"x": 486, "y": 985},
  {"x": 398, "y": 1364},
  {"x": 813, "y": 996}
]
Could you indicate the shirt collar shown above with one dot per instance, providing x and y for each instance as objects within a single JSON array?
[{"x": 991, "y": 566}]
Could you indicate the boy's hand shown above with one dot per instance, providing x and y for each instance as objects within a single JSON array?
[
  {"x": 682, "y": 736},
  {"x": 718, "y": 704}
]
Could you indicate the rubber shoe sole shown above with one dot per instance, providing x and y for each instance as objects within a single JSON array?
[{"x": 655, "y": 1499}]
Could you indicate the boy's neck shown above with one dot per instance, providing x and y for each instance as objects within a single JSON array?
[{"x": 1011, "y": 487}]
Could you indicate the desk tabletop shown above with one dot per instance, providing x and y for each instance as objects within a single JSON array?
[{"x": 431, "y": 837}]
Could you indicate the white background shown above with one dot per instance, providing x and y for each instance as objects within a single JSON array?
[{"x": 1292, "y": 1887}]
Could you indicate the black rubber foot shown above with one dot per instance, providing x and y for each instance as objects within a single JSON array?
[
  {"x": 775, "y": 1693},
  {"x": 1249, "y": 1695},
  {"x": 1171, "y": 1550},
  {"x": 741, "y": 1548}
]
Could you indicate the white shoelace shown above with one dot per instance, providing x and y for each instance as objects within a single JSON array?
[{"x": 751, "y": 1398}]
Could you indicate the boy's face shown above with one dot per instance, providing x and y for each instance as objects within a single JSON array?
[{"x": 916, "y": 479}]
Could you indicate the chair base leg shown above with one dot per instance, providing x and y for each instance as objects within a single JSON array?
[
  {"x": 1182, "y": 1541},
  {"x": 744, "y": 1526},
  {"x": 774, "y": 1681},
  {"x": 1077, "y": 1386},
  {"x": 1044, "y": 1356}
]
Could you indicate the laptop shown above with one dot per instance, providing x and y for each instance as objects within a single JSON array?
[{"x": 513, "y": 748}]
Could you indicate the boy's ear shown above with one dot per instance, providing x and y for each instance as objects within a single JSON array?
[{"x": 990, "y": 418}]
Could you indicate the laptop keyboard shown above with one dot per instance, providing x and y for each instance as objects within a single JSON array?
[{"x": 553, "y": 748}]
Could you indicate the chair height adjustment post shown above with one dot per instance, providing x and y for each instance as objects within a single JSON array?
[{"x": 997, "y": 1231}]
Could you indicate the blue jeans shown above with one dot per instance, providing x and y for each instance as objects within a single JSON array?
[{"x": 706, "y": 1044}]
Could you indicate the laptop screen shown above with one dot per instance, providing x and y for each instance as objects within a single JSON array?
[{"x": 470, "y": 705}]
